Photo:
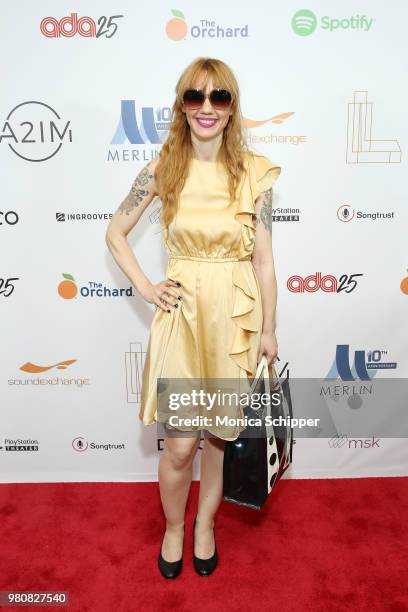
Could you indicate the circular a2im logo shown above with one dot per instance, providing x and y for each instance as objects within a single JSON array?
[
  {"x": 34, "y": 131},
  {"x": 304, "y": 22}
]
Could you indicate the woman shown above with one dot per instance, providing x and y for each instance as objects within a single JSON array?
[{"x": 215, "y": 311}]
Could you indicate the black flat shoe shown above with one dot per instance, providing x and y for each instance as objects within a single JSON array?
[
  {"x": 205, "y": 567},
  {"x": 169, "y": 569}
]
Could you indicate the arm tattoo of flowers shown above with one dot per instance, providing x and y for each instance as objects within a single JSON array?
[
  {"x": 266, "y": 210},
  {"x": 137, "y": 191}
]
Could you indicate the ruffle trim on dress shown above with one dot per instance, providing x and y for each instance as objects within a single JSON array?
[
  {"x": 243, "y": 314},
  {"x": 261, "y": 173}
]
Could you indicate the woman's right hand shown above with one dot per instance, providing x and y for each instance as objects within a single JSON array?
[{"x": 165, "y": 294}]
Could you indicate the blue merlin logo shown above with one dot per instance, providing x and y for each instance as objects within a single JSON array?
[
  {"x": 363, "y": 363},
  {"x": 152, "y": 128}
]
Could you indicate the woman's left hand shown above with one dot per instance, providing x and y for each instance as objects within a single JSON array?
[{"x": 268, "y": 346}]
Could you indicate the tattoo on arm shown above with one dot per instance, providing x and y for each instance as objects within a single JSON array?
[
  {"x": 265, "y": 214},
  {"x": 137, "y": 192}
]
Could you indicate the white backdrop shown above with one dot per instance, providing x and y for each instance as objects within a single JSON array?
[{"x": 82, "y": 114}]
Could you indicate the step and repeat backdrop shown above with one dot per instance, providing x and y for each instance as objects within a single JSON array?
[{"x": 86, "y": 99}]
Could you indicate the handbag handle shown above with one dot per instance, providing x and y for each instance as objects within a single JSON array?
[
  {"x": 263, "y": 367},
  {"x": 262, "y": 363}
]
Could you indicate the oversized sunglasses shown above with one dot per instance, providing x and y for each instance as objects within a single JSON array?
[{"x": 220, "y": 99}]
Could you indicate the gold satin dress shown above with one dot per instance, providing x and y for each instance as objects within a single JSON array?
[{"x": 215, "y": 331}]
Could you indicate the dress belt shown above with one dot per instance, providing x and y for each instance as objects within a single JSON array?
[{"x": 211, "y": 259}]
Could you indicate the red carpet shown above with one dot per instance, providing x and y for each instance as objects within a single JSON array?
[{"x": 318, "y": 545}]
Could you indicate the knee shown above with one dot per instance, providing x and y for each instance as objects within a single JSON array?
[{"x": 181, "y": 456}]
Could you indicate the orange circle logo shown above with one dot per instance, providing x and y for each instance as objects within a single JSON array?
[
  {"x": 67, "y": 288},
  {"x": 404, "y": 285},
  {"x": 176, "y": 28}
]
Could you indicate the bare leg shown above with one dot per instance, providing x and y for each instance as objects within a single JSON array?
[
  {"x": 211, "y": 480},
  {"x": 175, "y": 474}
]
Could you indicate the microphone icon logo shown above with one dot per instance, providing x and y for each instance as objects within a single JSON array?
[
  {"x": 79, "y": 444},
  {"x": 345, "y": 213}
]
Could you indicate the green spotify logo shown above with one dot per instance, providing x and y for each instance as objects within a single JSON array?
[{"x": 304, "y": 22}]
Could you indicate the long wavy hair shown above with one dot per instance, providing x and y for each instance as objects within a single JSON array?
[{"x": 172, "y": 168}]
